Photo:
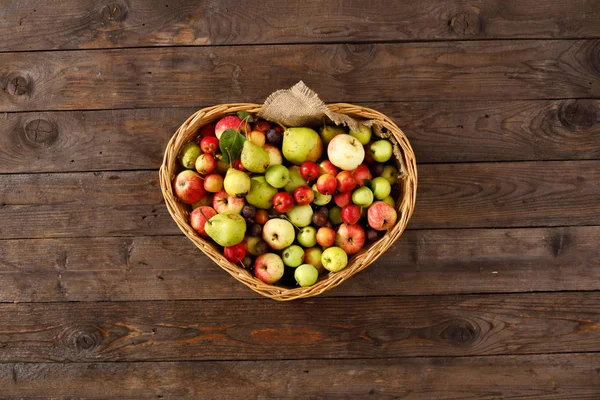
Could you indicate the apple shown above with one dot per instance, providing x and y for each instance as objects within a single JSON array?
[
  {"x": 350, "y": 214},
  {"x": 213, "y": 183},
  {"x": 381, "y": 150},
  {"x": 188, "y": 154},
  {"x": 293, "y": 255},
  {"x": 301, "y": 144},
  {"x": 381, "y": 188},
  {"x": 306, "y": 275},
  {"x": 205, "y": 201},
  {"x": 304, "y": 195},
  {"x": 326, "y": 167},
  {"x": 227, "y": 229},
  {"x": 262, "y": 126},
  {"x": 269, "y": 268},
  {"x": 335, "y": 215},
  {"x": 255, "y": 245},
  {"x": 235, "y": 253},
  {"x": 236, "y": 183},
  {"x": 381, "y": 216},
  {"x": 198, "y": 218},
  {"x": 361, "y": 173},
  {"x": 312, "y": 256},
  {"x": 320, "y": 199},
  {"x": 261, "y": 193},
  {"x": 296, "y": 179},
  {"x": 307, "y": 236},
  {"x": 368, "y": 155},
  {"x": 283, "y": 202},
  {"x": 300, "y": 216},
  {"x": 390, "y": 173},
  {"x": 207, "y": 130},
  {"x": 328, "y": 132},
  {"x": 254, "y": 158},
  {"x": 277, "y": 176},
  {"x": 237, "y": 164},
  {"x": 223, "y": 202},
  {"x": 325, "y": 236},
  {"x": 326, "y": 184},
  {"x": 189, "y": 187},
  {"x": 345, "y": 181},
  {"x": 351, "y": 238},
  {"x": 345, "y": 152},
  {"x": 278, "y": 233},
  {"x": 362, "y": 196},
  {"x": 230, "y": 122},
  {"x": 209, "y": 145},
  {"x": 205, "y": 163},
  {"x": 363, "y": 134},
  {"x": 309, "y": 170},
  {"x": 342, "y": 199},
  {"x": 334, "y": 259},
  {"x": 257, "y": 137},
  {"x": 262, "y": 216},
  {"x": 275, "y": 157},
  {"x": 390, "y": 201}
]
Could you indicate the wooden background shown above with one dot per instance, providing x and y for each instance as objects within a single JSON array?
[{"x": 493, "y": 291}]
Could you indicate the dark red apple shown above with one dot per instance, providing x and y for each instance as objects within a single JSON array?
[
  {"x": 326, "y": 184},
  {"x": 209, "y": 145},
  {"x": 350, "y": 214},
  {"x": 235, "y": 253},
  {"x": 361, "y": 173},
  {"x": 304, "y": 195},
  {"x": 283, "y": 202},
  {"x": 309, "y": 171}
]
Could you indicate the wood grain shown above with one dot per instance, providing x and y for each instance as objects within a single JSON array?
[
  {"x": 420, "y": 263},
  {"x": 31, "y": 25},
  {"x": 371, "y": 327},
  {"x": 186, "y": 77},
  {"x": 535, "y": 377},
  {"x": 438, "y": 131}
]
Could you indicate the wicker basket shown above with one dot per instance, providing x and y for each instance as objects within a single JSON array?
[{"x": 358, "y": 262}]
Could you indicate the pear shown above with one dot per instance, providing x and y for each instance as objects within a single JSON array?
[
  {"x": 254, "y": 158},
  {"x": 188, "y": 154},
  {"x": 328, "y": 132},
  {"x": 236, "y": 183},
  {"x": 301, "y": 144},
  {"x": 261, "y": 193},
  {"x": 226, "y": 229}
]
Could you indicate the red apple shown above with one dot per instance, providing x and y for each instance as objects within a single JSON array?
[
  {"x": 326, "y": 184},
  {"x": 345, "y": 181},
  {"x": 207, "y": 130},
  {"x": 381, "y": 216},
  {"x": 309, "y": 170},
  {"x": 327, "y": 167},
  {"x": 205, "y": 163},
  {"x": 350, "y": 214},
  {"x": 304, "y": 195},
  {"x": 198, "y": 219},
  {"x": 342, "y": 199},
  {"x": 262, "y": 126},
  {"x": 361, "y": 173},
  {"x": 261, "y": 217},
  {"x": 222, "y": 202},
  {"x": 269, "y": 268},
  {"x": 283, "y": 202},
  {"x": 230, "y": 122},
  {"x": 325, "y": 236},
  {"x": 235, "y": 253},
  {"x": 237, "y": 164},
  {"x": 351, "y": 238},
  {"x": 209, "y": 145},
  {"x": 213, "y": 183},
  {"x": 189, "y": 187}
]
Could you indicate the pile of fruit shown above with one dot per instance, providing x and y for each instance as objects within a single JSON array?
[{"x": 288, "y": 204}]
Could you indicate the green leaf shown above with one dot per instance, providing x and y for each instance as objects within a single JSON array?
[
  {"x": 231, "y": 144},
  {"x": 369, "y": 183},
  {"x": 245, "y": 116}
]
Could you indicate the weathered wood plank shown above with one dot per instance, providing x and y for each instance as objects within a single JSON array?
[
  {"x": 134, "y": 78},
  {"x": 30, "y": 25},
  {"x": 420, "y": 263},
  {"x": 371, "y": 327},
  {"x": 535, "y": 377},
  {"x": 438, "y": 131}
]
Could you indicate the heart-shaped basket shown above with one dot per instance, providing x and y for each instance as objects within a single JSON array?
[{"x": 405, "y": 160}]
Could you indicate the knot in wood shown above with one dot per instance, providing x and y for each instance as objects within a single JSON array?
[
  {"x": 578, "y": 114},
  {"x": 466, "y": 23},
  {"x": 459, "y": 333},
  {"x": 114, "y": 12},
  {"x": 81, "y": 338},
  {"x": 18, "y": 85},
  {"x": 40, "y": 132}
]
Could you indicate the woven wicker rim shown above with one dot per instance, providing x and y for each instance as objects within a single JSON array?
[{"x": 358, "y": 262}]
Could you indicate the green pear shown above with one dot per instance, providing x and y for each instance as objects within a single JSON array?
[
  {"x": 261, "y": 193},
  {"x": 236, "y": 183},
  {"x": 226, "y": 229},
  {"x": 301, "y": 144},
  {"x": 254, "y": 158},
  {"x": 188, "y": 154},
  {"x": 328, "y": 132}
]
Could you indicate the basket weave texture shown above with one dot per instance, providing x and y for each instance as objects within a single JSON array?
[{"x": 180, "y": 212}]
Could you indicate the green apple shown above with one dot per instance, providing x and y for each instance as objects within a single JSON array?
[
  {"x": 292, "y": 256},
  {"x": 226, "y": 229},
  {"x": 188, "y": 154},
  {"x": 335, "y": 215},
  {"x": 277, "y": 176},
  {"x": 334, "y": 259},
  {"x": 363, "y": 134},
  {"x": 362, "y": 197},
  {"x": 320, "y": 199},
  {"x": 236, "y": 183},
  {"x": 390, "y": 173},
  {"x": 307, "y": 236},
  {"x": 328, "y": 132},
  {"x": 300, "y": 216},
  {"x": 381, "y": 150},
  {"x": 296, "y": 180},
  {"x": 306, "y": 275},
  {"x": 381, "y": 188},
  {"x": 261, "y": 193},
  {"x": 301, "y": 144},
  {"x": 390, "y": 201},
  {"x": 254, "y": 158}
]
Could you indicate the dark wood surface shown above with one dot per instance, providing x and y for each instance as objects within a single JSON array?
[{"x": 492, "y": 292}]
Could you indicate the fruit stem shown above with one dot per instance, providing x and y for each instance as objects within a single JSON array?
[{"x": 206, "y": 219}]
